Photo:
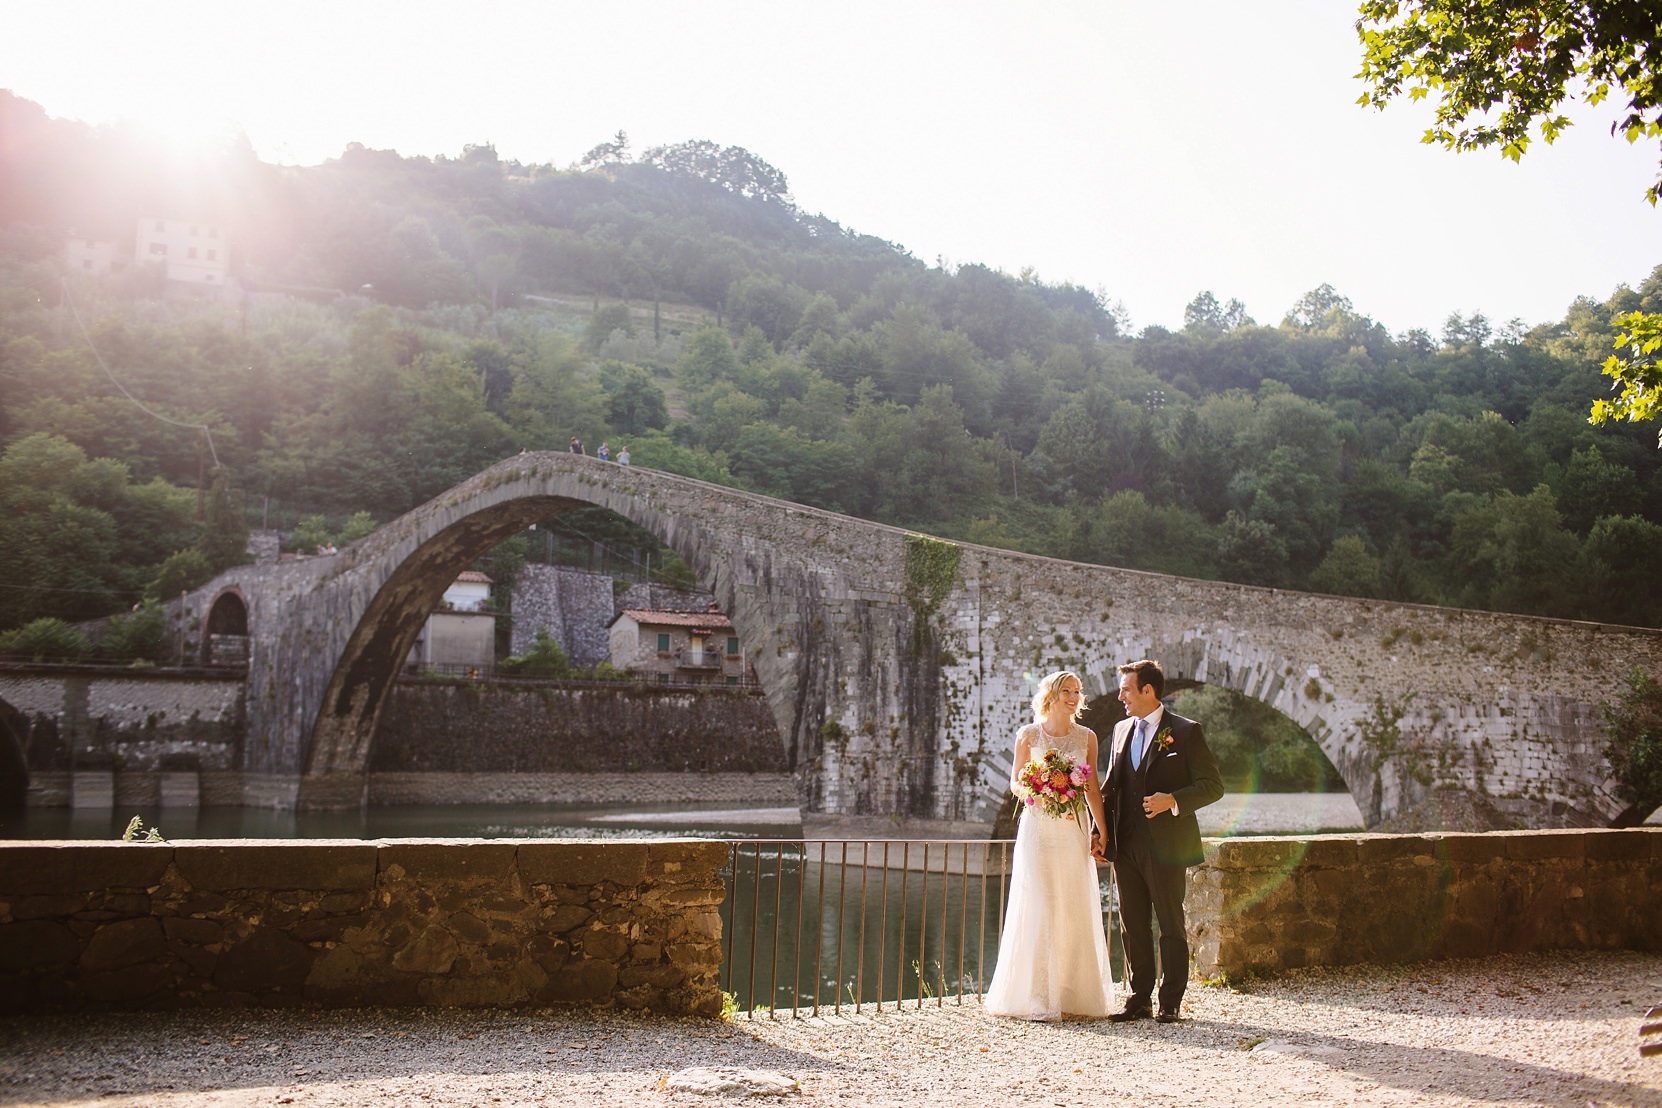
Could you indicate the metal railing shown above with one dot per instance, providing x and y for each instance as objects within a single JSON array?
[{"x": 824, "y": 923}]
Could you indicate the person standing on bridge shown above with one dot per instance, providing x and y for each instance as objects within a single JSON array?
[
  {"x": 1160, "y": 771},
  {"x": 1053, "y": 954}
]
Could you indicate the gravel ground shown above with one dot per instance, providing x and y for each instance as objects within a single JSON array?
[{"x": 1543, "y": 1029}]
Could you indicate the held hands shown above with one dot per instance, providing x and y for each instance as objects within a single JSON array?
[
  {"x": 1099, "y": 848},
  {"x": 1155, "y": 803}
]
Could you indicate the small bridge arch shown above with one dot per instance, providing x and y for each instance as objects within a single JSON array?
[{"x": 898, "y": 666}]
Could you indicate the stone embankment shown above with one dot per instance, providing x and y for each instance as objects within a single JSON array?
[
  {"x": 343, "y": 924},
  {"x": 1271, "y": 904}
]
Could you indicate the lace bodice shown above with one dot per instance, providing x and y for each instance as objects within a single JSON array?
[{"x": 1073, "y": 744}]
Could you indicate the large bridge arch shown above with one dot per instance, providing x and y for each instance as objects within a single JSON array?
[{"x": 897, "y": 666}]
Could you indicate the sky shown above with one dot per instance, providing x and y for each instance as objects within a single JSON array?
[{"x": 1146, "y": 151}]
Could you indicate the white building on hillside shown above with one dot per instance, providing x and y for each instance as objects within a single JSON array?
[
  {"x": 89, "y": 257},
  {"x": 195, "y": 253},
  {"x": 460, "y": 635}
]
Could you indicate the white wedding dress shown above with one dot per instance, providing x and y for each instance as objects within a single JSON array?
[{"x": 1053, "y": 952}]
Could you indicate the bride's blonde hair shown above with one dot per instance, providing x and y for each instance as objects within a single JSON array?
[{"x": 1050, "y": 688}]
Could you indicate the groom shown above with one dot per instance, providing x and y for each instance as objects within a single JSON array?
[{"x": 1160, "y": 771}]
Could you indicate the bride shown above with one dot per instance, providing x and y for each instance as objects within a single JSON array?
[{"x": 1053, "y": 954}]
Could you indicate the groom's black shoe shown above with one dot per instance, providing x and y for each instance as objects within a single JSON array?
[
  {"x": 1134, "y": 1010},
  {"x": 1167, "y": 1015}
]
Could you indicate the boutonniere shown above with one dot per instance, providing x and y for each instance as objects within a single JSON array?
[{"x": 1164, "y": 741}]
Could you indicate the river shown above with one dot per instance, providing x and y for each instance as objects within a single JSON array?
[{"x": 1235, "y": 814}]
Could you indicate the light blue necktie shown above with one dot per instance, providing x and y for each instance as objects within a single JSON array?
[{"x": 1139, "y": 745}]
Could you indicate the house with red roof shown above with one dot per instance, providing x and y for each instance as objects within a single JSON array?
[{"x": 682, "y": 648}]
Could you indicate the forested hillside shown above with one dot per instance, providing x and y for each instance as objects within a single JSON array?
[{"x": 405, "y": 322}]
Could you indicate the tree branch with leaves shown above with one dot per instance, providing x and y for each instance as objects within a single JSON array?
[{"x": 1498, "y": 73}]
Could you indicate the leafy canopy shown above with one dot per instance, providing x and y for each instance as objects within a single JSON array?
[
  {"x": 1498, "y": 69},
  {"x": 1638, "y": 376},
  {"x": 1525, "y": 60}
]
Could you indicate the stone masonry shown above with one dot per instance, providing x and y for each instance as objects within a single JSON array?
[
  {"x": 1270, "y": 904},
  {"x": 445, "y": 741},
  {"x": 574, "y": 606},
  {"x": 898, "y": 667},
  {"x": 356, "y": 924}
]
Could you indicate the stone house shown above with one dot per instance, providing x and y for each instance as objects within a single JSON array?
[{"x": 683, "y": 648}]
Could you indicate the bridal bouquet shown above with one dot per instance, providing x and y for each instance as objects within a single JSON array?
[{"x": 1054, "y": 784}]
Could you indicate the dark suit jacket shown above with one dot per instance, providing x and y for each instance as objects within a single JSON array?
[{"x": 1187, "y": 770}]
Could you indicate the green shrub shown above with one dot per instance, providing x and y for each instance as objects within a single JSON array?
[
  {"x": 138, "y": 636},
  {"x": 544, "y": 659},
  {"x": 45, "y": 640},
  {"x": 1634, "y": 745}
]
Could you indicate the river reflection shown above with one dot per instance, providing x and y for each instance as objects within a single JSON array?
[{"x": 424, "y": 821}]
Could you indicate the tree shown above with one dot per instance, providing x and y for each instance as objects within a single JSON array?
[
  {"x": 707, "y": 358},
  {"x": 607, "y": 153},
  {"x": 1349, "y": 569},
  {"x": 1621, "y": 561},
  {"x": 633, "y": 402},
  {"x": 1634, "y": 746},
  {"x": 224, "y": 539},
  {"x": 606, "y": 320},
  {"x": 1204, "y": 313},
  {"x": 1249, "y": 551},
  {"x": 1639, "y": 375},
  {"x": 1526, "y": 60}
]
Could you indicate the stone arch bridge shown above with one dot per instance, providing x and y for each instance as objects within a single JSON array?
[{"x": 898, "y": 666}]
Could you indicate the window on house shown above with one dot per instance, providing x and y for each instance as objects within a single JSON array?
[
  {"x": 663, "y": 679},
  {"x": 732, "y": 680},
  {"x": 192, "y": 253},
  {"x": 158, "y": 248},
  {"x": 663, "y": 644},
  {"x": 732, "y": 646}
]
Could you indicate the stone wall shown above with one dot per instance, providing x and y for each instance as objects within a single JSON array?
[
  {"x": 730, "y": 790},
  {"x": 1267, "y": 904},
  {"x": 573, "y": 605},
  {"x": 576, "y": 606},
  {"x": 438, "y": 742},
  {"x": 338, "y": 924},
  {"x": 602, "y": 727},
  {"x": 101, "y": 716}
]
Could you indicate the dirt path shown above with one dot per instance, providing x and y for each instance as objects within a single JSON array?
[{"x": 1552, "y": 1029}]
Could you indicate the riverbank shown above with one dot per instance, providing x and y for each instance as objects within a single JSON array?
[
  {"x": 1235, "y": 814},
  {"x": 1545, "y": 1029}
]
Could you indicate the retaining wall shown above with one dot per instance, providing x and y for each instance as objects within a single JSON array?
[
  {"x": 1268, "y": 904},
  {"x": 348, "y": 924},
  {"x": 605, "y": 727}
]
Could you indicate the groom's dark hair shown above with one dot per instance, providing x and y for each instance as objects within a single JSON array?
[{"x": 1148, "y": 673}]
